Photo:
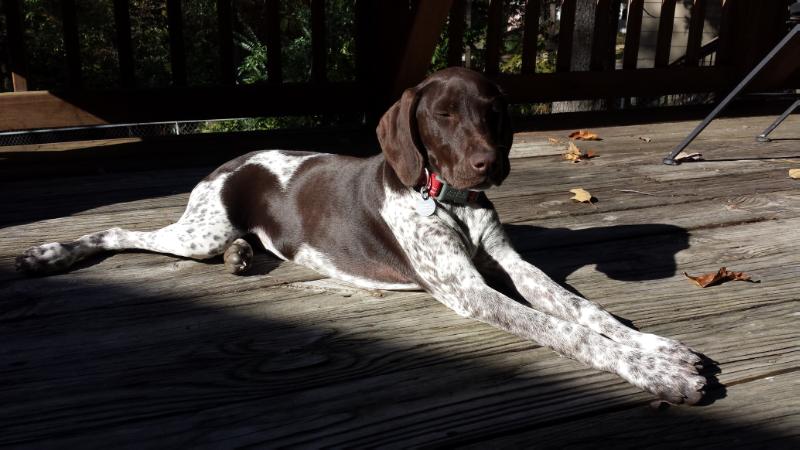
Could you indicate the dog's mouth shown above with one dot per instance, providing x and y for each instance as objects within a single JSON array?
[
  {"x": 479, "y": 182},
  {"x": 470, "y": 183},
  {"x": 483, "y": 185},
  {"x": 468, "y": 180}
]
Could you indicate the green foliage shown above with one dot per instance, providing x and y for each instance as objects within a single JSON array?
[
  {"x": 340, "y": 28},
  {"x": 44, "y": 43},
  {"x": 201, "y": 40},
  {"x": 96, "y": 34},
  {"x": 150, "y": 38},
  {"x": 511, "y": 54}
]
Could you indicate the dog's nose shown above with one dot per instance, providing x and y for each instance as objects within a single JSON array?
[{"x": 482, "y": 162}]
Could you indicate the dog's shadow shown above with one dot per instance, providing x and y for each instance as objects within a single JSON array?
[{"x": 622, "y": 252}]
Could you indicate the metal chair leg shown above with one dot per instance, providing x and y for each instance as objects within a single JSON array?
[
  {"x": 764, "y": 136},
  {"x": 670, "y": 159}
]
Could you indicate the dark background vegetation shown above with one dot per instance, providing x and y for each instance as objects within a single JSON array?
[{"x": 47, "y": 56}]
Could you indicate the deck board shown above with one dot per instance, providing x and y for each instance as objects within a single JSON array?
[{"x": 143, "y": 351}]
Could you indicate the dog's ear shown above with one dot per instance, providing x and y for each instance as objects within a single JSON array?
[{"x": 398, "y": 136}]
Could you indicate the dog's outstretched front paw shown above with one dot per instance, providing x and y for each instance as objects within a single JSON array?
[
  {"x": 238, "y": 257},
  {"x": 688, "y": 389},
  {"x": 44, "y": 259},
  {"x": 673, "y": 380}
]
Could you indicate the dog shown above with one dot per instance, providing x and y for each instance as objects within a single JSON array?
[{"x": 415, "y": 216}]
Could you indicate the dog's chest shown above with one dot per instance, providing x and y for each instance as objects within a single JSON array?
[{"x": 450, "y": 228}]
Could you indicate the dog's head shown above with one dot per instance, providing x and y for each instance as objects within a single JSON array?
[{"x": 456, "y": 123}]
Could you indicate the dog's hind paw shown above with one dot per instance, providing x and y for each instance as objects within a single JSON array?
[
  {"x": 238, "y": 257},
  {"x": 46, "y": 258}
]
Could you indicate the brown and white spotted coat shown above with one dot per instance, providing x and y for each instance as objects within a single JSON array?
[{"x": 356, "y": 220}]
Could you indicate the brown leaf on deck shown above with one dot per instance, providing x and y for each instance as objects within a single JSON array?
[
  {"x": 794, "y": 173},
  {"x": 584, "y": 135},
  {"x": 645, "y": 138},
  {"x": 553, "y": 140},
  {"x": 719, "y": 277},
  {"x": 576, "y": 155}
]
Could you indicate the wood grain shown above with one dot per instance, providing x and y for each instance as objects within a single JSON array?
[{"x": 143, "y": 350}]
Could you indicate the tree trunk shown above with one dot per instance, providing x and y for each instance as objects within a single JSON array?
[{"x": 581, "y": 54}]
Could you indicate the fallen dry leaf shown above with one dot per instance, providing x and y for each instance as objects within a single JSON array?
[
  {"x": 645, "y": 138},
  {"x": 575, "y": 154},
  {"x": 581, "y": 195},
  {"x": 718, "y": 277},
  {"x": 794, "y": 173},
  {"x": 553, "y": 140},
  {"x": 685, "y": 157},
  {"x": 584, "y": 135}
]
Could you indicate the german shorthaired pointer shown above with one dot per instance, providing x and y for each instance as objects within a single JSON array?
[{"x": 415, "y": 216}]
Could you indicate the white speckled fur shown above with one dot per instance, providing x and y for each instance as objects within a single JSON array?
[{"x": 443, "y": 249}]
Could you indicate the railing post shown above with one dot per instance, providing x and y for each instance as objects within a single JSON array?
[
  {"x": 633, "y": 32},
  {"x": 566, "y": 29},
  {"x": 225, "y": 29},
  {"x": 122, "y": 22},
  {"x": 530, "y": 36},
  {"x": 177, "y": 55},
  {"x": 71, "y": 43},
  {"x": 423, "y": 33},
  {"x": 695, "y": 32},
  {"x": 14, "y": 28},
  {"x": 319, "y": 48},
  {"x": 494, "y": 37},
  {"x": 455, "y": 33},
  {"x": 606, "y": 19},
  {"x": 664, "y": 41},
  {"x": 274, "y": 72}
]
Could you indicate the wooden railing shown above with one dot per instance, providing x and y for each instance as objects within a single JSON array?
[{"x": 394, "y": 46}]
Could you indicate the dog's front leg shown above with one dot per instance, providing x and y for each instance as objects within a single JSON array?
[
  {"x": 548, "y": 296},
  {"x": 460, "y": 286}
]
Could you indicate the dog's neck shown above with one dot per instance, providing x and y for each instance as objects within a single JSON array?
[{"x": 434, "y": 186}]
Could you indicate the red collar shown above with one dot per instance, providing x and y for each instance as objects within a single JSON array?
[{"x": 437, "y": 188}]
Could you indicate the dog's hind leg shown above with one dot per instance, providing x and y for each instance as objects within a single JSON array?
[
  {"x": 202, "y": 232},
  {"x": 179, "y": 239}
]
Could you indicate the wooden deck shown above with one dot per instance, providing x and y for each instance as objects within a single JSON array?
[{"x": 138, "y": 350}]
